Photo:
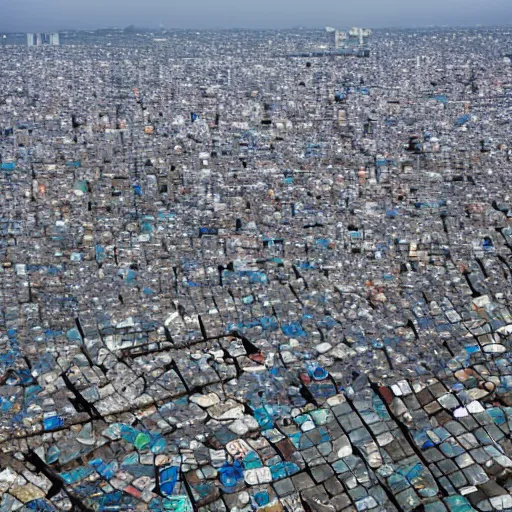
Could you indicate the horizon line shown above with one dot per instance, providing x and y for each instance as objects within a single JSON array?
[{"x": 256, "y": 29}]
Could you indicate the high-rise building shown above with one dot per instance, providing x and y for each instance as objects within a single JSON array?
[
  {"x": 339, "y": 39},
  {"x": 358, "y": 36},
  {"x": 355, "y": 38},
  {"x": 39, "y": 39},
  {"x": 55, "y": 39}
]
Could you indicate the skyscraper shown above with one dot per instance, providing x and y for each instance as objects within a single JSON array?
[
  {"x": 358, "y": 36},
  {"x": 55, "y": 39},
  {"x": 39, "y": 39},
  {"x": 355, "y": 40},
  {"x": 339, "y": 39}
]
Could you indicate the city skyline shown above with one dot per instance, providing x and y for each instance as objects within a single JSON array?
[{"x": 53, "y": 15}]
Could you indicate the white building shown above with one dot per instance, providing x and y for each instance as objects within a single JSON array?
[
  {"x": 55, "y": 39},
  {"x": 39, "y": 39}
]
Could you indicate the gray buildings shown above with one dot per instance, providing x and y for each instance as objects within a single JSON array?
[
  {"x": 38, "y": 39},
  {"x": 235, "y": 280}
]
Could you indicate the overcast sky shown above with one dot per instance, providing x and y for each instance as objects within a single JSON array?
[{"x": 47, "y": 15}]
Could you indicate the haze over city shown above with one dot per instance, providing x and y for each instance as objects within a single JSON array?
[
  {"x": 255, "y": 256},
  {"x": 49, "y": 15}
]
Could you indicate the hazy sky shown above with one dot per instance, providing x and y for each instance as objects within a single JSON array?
[{"x": 46, "y": 15}]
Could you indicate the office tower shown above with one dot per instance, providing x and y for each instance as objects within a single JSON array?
[
  {"x": 339, "y": 39},
  {"x": 358, "y": 36},
  {"x": 51, "y": 38},
  {"x": 355, "y": 38}
]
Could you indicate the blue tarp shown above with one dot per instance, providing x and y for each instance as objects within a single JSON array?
[
  {"x": 440, "y": 98},
  {"x": 293, "y": 330},
  {"x": 168, "y": 479},
  {"x": 462, "y": 120},
  {"x": 208, "y": 231},
  {"x": 53, "y": 422}
]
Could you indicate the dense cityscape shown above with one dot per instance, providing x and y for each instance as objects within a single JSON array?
[{"x": 256, "y": 270}]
